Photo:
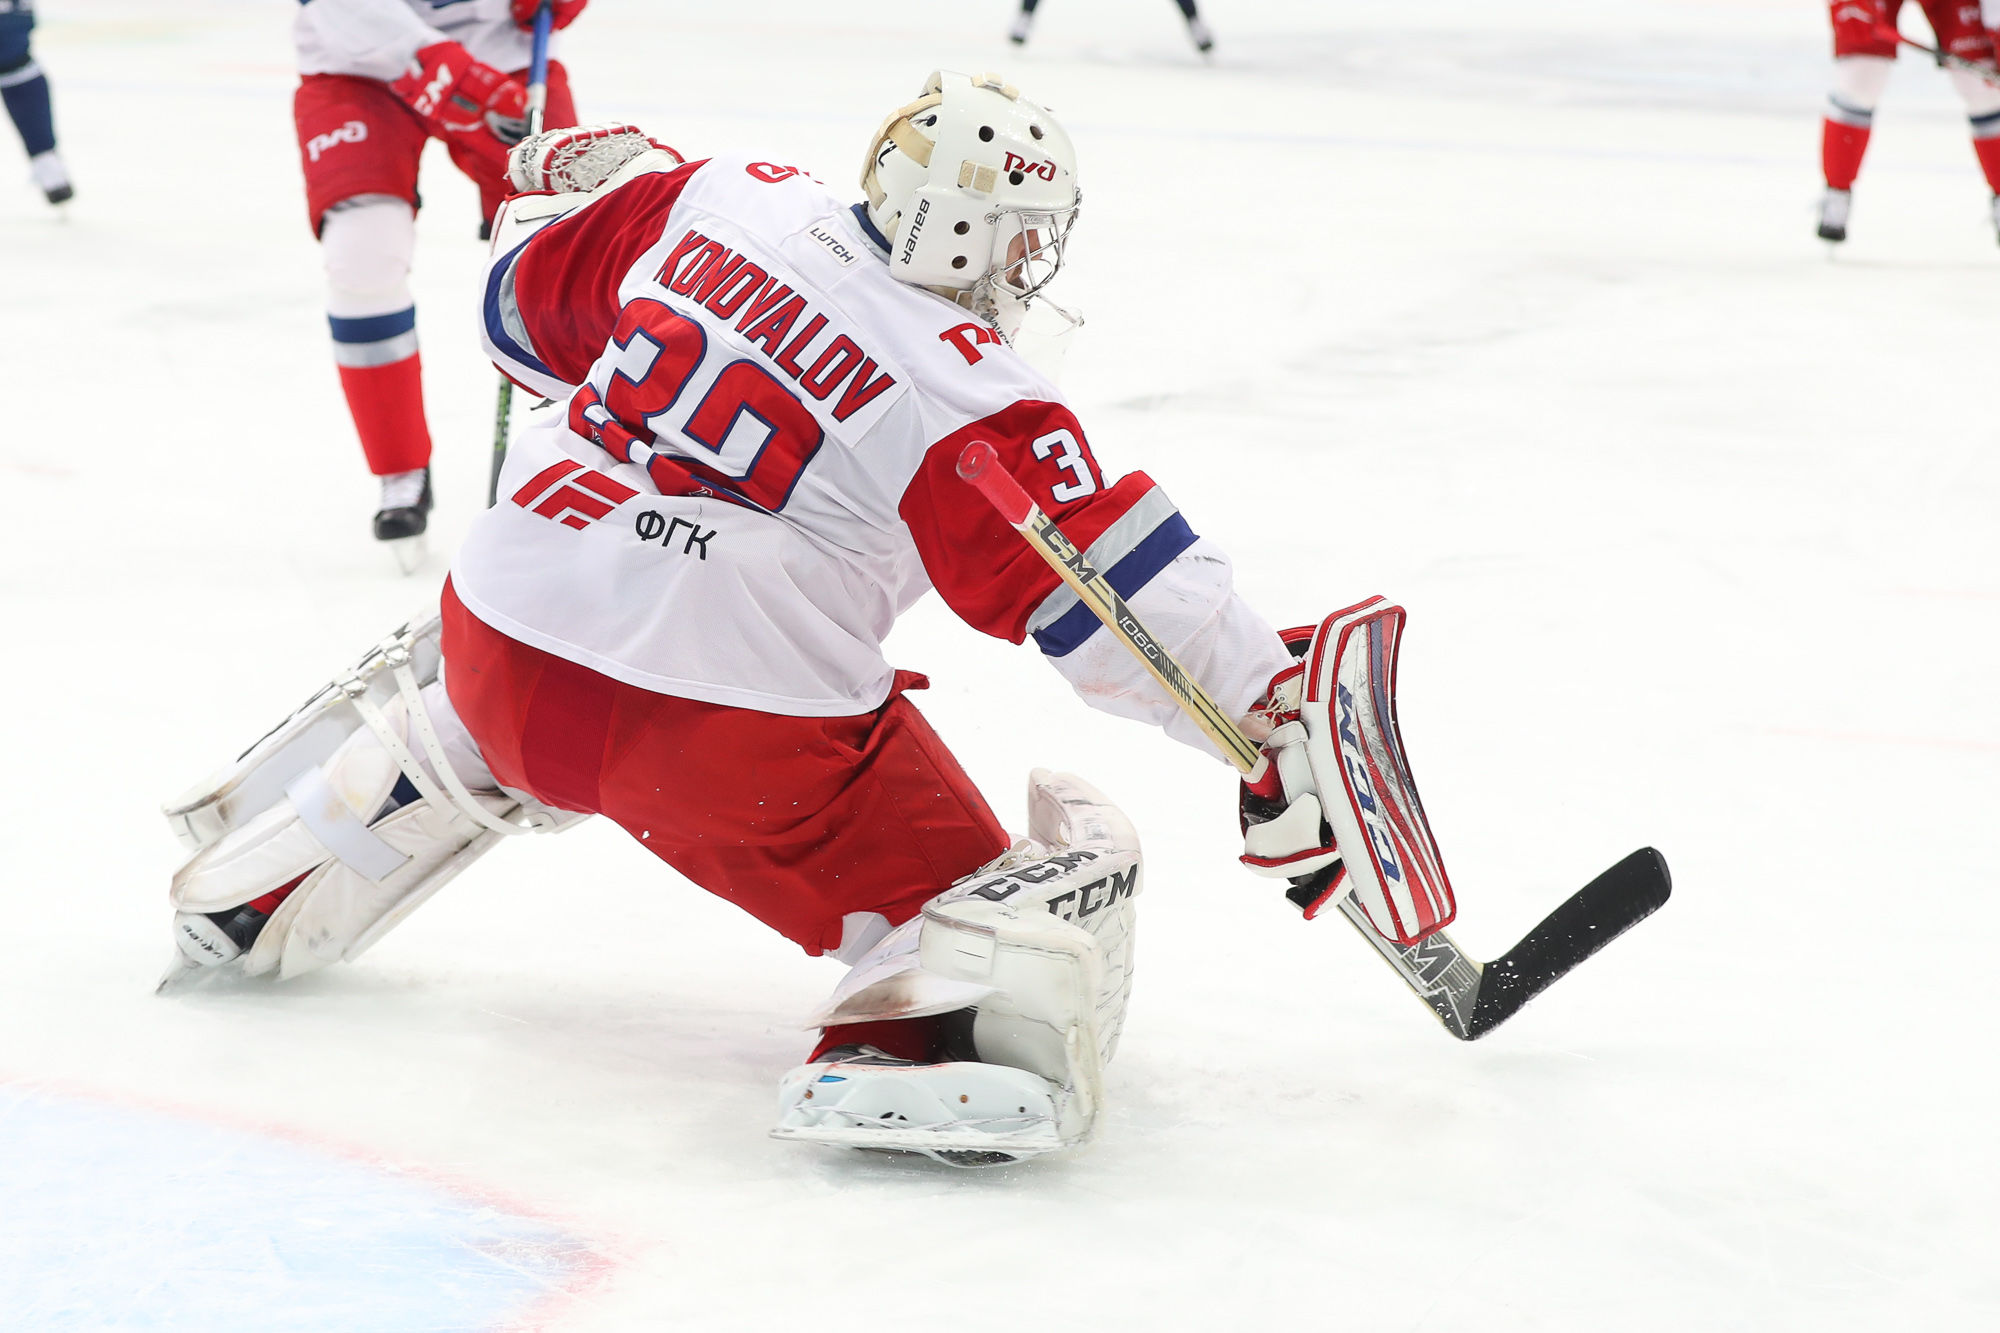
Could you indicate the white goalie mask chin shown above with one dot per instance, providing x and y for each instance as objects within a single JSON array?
[{"x": 974, "y": 187}]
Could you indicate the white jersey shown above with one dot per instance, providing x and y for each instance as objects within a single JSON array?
[
  {"x": 378, "y": 39},
  {"x": 753, "y": 469}
]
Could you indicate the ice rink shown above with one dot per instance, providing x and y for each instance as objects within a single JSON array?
[{"x": 1512, "y": 313}]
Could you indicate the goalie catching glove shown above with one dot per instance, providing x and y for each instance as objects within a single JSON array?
[
  {"x": 580, "y": 158},
  {"x": 1331, "y": 806}
]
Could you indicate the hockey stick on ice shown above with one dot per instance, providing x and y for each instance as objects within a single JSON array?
[
  {"x": 538, "y": 101},
  {"x": 1469, "y": 997}
]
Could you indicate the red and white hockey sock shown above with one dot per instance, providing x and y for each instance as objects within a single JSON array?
[
  {"x": 367, "y": 243},
  {"x": 1858, "y": 81},
  {"x": 385, "y": 396},
  {"x": 1842, "y": 144}
]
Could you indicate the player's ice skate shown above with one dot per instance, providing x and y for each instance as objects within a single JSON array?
[
  {"x": 1031, "y": 959},
  {"x": 1833, "y": 209},
  {"x": 404, "y": 516},
  {"x": 51, "y": 177}
]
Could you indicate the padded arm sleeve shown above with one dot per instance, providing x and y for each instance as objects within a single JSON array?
[
  {"x": 1192, "y": 607},
  {"x": 1179, "y": 584}
]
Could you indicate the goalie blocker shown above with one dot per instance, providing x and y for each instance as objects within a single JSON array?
[{"x": 1331, "y": 805}]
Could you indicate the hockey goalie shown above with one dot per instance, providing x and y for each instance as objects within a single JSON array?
[{"x": 673, "y": 618}]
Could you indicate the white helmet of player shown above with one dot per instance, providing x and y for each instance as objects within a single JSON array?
[{"x": 974, "y": 187}]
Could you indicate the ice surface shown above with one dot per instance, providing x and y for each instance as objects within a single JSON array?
[{"x": 1511, "y": 313}]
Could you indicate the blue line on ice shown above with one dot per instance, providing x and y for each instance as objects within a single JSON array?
[{"x": 114, "y": 1217}]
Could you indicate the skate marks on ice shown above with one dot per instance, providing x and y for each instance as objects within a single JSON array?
[{"x": 119, "y": 1214}]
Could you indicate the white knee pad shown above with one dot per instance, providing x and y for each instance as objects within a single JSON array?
[
  {"x": 1981, "y": 98},
  {"x": 1038, "y": 944},
  {"x": 367, "y": 244},
  {"x": 1858, "y": 82},
  {"x": 318, "y": 798}
]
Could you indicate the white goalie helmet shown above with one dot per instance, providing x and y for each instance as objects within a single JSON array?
[{"x": 974, "y": 187}]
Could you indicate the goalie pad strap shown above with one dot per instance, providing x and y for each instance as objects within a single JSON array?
[
  {"x": 339, "y": 829},
  {"x": 396, "y": 653}
]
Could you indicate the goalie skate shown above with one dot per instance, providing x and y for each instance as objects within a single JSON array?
[
  {"x": 1034, "y": 953},
  {"x": 961, "y": 1113}
]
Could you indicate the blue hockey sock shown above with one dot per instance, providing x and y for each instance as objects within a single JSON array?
[{"x": 26, "y": 93}]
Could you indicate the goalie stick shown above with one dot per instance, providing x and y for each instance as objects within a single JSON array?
[
  {"x": 538, "y": 101},
  {"x": 1469, "y": 997}
]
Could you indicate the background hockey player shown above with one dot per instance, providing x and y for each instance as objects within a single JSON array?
[
  {"x": 1198, "y": 32},
  {"x": 378, "y": 79},
  {"x": 674, "y": 618},
  {"x": 25, "y": 90},
  {"x": 1864, "y": 51}
]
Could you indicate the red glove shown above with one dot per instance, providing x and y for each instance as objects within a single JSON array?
[
  {"x": 469, "y": 105},
  {"x": 566, "y": 12}
]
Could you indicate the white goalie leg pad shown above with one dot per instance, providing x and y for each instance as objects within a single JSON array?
[
  {"x": 1039, "y": 945},
  {"x": 256, "y": 781},
  {"x": 325, "y": 800}
]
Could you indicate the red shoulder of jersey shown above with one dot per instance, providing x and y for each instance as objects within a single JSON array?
[
  {"x": 567, "y": 277},
  {"x": 991, "y": 578}
]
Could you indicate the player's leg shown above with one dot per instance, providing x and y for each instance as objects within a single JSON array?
[
  {"x": 838, "y": 833},
  {"x": 359, "y": 149},
  {"x": 829, "y": 830},
  {"x": 1961, "y": 34},
  {"x": 25, "y": 91},
  {"x": 1862, "y": 59},
  {"x": 1024, "y": 20},
  {"x": 1204, "y": 41}
]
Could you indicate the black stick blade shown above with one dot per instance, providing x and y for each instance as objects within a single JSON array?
[{"x": 1594, "y": 915}]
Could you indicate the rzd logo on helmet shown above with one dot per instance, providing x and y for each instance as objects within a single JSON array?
[{"x": 1046, "y": 170}]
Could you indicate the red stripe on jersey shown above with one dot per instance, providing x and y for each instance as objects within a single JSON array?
[
  {"x": 980, "y": 566},
  {"x": 566, "y": 281}
]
